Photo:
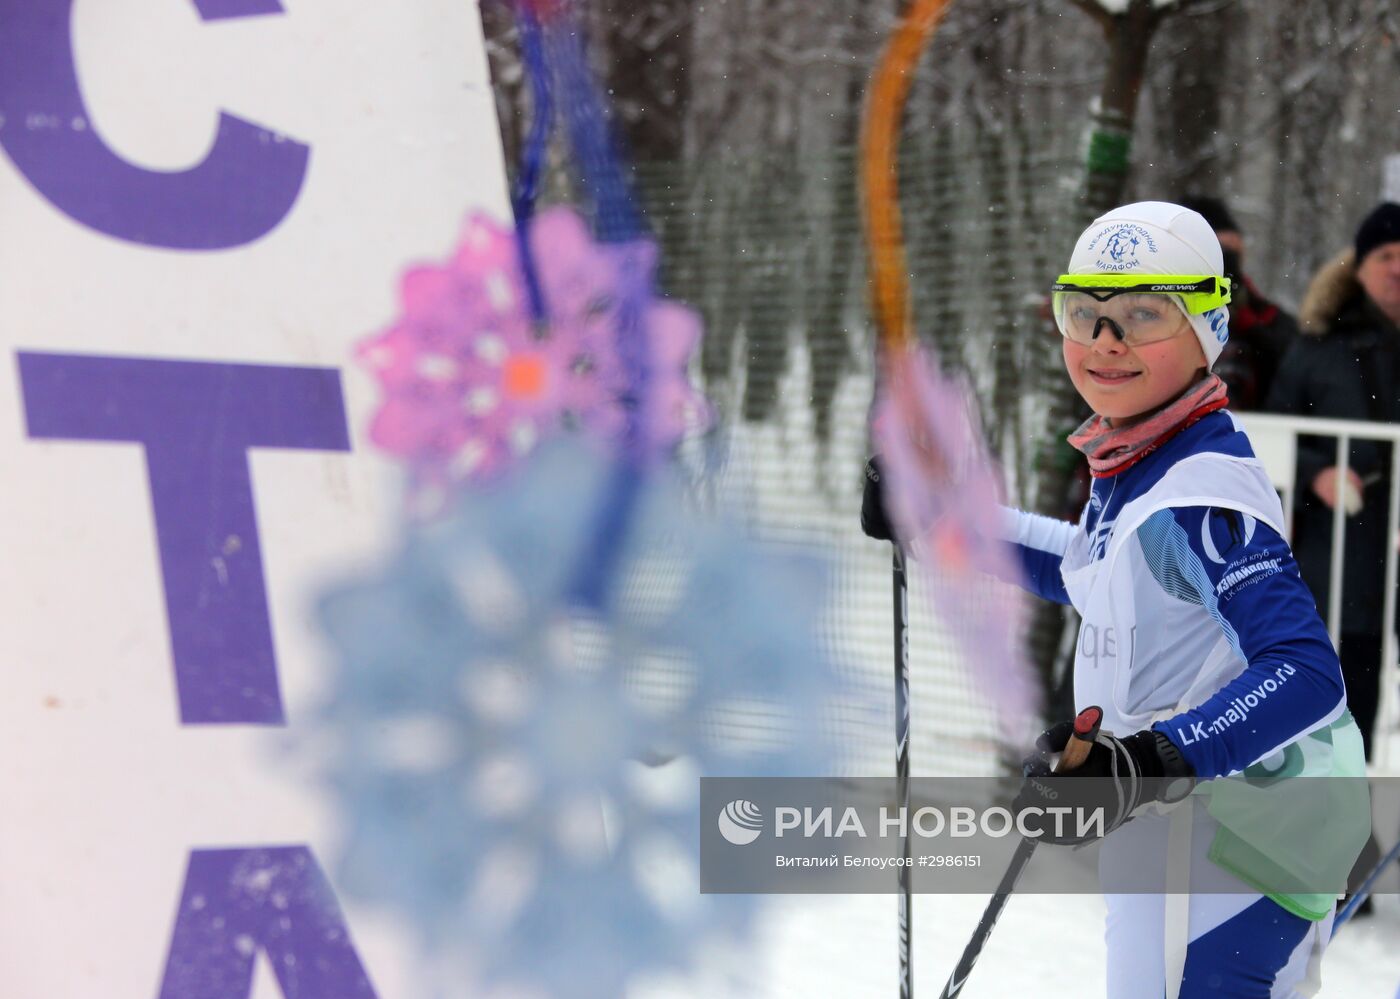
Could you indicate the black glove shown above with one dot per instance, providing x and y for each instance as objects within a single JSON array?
[
  {"x": 1118, "y": 776},
  {"x": 873, "y": 519}
]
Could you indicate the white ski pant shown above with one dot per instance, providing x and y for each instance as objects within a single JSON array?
[{"x": 1222, "y": 940}]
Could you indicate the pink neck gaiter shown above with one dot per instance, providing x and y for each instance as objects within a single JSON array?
[{"x": 1111, "y": 450}]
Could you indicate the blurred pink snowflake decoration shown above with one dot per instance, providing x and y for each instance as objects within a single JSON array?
[
  {"x": 944, "y": 493},
  {"x": 471, "y": 379}
]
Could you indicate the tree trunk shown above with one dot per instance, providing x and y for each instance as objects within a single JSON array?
[
  {"x": 647, "y": 52},
  {"x": 1128, "y": 37},
  {"x": 507, "y": 79},
  {"x": 1189, "y": 100}
]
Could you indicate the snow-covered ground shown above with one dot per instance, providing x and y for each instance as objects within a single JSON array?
[
  {"x": 1044, "y": 945},
  {"x": 826, "y": 947}
]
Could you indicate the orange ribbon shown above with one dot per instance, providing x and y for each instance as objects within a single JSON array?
[{"x": 889, "y": 91}]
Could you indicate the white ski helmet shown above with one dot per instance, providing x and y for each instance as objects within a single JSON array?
[{"x": 1153, "y": 238}]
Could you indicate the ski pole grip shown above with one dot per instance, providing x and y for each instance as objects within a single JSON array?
[{"x": 1086, "y": 730}]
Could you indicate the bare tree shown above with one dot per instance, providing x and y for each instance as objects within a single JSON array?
[
  {"x": 1128, "y": 28},
  {"x": 1194, "y": 77}
]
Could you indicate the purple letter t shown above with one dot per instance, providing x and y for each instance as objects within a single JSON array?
[{"x": 197, "y": 421}]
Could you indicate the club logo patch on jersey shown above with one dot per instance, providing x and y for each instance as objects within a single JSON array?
[
  {"x": 1099, "y": 538},
  {"x": 1089, "y": 518},
  {"x": 1226, "y": 533},
  {"x": 1121, "y": 245}
]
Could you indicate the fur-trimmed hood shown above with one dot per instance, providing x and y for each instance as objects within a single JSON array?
[{"x": 1332, "y": 288}]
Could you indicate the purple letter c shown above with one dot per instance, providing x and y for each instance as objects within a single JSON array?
[{"x": 243, "y": 188}]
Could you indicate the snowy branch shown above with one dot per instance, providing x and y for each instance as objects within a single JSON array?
[{"x": 820, "y": 55}]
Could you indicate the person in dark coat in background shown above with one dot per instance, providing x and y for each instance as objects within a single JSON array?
[
  {"x": 1346, "y": 365},
  {"x": 1260, "y": 331}
]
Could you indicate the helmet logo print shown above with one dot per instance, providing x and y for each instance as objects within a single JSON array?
[
  {"x": 1120, "y": 244},
  {"x": 1219, "y": 321}
]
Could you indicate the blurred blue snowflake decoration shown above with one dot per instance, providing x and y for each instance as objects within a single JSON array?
[{"x": 495, "y": 741}]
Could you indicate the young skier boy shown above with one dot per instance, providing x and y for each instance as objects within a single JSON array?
[{"x": 1198, "y": 639}]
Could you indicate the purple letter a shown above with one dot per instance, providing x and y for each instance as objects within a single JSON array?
[{"x": 276, "y": 900}]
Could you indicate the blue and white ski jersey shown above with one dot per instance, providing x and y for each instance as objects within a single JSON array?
[{"x": 1195, "y": 618}]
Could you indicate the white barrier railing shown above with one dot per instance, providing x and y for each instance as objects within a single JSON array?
[{"x": 1275, "y": 440}]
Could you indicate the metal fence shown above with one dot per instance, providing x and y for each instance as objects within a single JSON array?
[
  {"x": 769, "y": 250},
  {"x": 1275, "y": 440}
]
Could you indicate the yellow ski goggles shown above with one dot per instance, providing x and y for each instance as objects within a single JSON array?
[{"x": 1138, "y": 308}]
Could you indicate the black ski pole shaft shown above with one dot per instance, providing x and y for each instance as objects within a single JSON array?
[
  {"x": 1086, "y": 729},
  {"x": 1024, "y": 850},
  {"x": 1364, "y": 891},
  {"x": 901, "y": 768}
]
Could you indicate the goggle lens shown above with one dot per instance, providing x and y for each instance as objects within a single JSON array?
[{"x": 1137, "y": 319}]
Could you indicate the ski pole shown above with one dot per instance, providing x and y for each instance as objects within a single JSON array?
[
  {"x": 1076, "y": 751},
  {"x": 1361, "y": 893},
  {"x": 901, "y": 766}
]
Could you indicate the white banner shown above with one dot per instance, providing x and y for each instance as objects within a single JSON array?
[{"x": 205, "y": 204}]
